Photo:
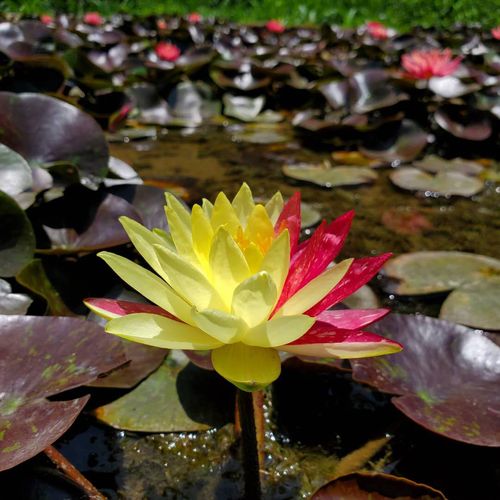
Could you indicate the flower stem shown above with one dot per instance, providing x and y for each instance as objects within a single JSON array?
[
  {"x": 249, "y": 445},
  {"x": 73, "y": 473}
]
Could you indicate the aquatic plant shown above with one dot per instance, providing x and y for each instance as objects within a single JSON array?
[
  {"x": 234, "y": 279},
  {"x": 167, "y": 51},
  {"x": 425, "y": 64}
]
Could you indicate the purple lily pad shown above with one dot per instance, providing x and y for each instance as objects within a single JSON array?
[
  {"x": 375, "y": 486},
  {"x": 104, "y": 231},
  {"x": 18, "y": 239},
  {"x": 463, "y": 122},
  {"x": 451, "y": 86},
  {"x": 42, "y": 357},
  {"x": 446, "y": 378},
  {"x": 15, "y": 173},
  {"x": 396, "y": 142},
  {"x": 45, "y": 130}
]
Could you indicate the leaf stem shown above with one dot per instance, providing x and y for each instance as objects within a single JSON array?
[{"x": 61, "y": 462}]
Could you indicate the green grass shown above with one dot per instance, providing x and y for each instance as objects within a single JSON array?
[{"x": 401, "y": 14}]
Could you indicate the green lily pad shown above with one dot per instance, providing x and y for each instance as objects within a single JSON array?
[
  {"x": 243, "y": 108},
  {"x": 364, "y": 298},
  {"x": 375, "y": 486},
  {"x": 310, "y": 216},
  {"x": 420, "y": 273},
  {"x": 12, "y": 303},
  {"x": 176, "y": 397},
  {"x": 33, "y": 277},
  {"x": 445, "y": 183},
  {"x": 42, "y": 357},
  {"x": 18, "y": 239},
  {"x": 261, "y": 133},
  {"x": 474, "y": 304},
  {"x": 436, "y": 164},
  {"x": 331, "y": 177}
]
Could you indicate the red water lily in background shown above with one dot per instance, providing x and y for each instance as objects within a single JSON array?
[
  {"x": 93, "y": 18},
  {"x": 46, "y": 19},
  {"x": 377, "y": 30},
  {"x": 428, "y": 63},
  {"x": 275, "y": 26},
  {"x": 161, "y": 24},
  {"x": 495, "y": 32},
  {"x": 167, "y": 51},
  {"x": 194, "y": 17}
]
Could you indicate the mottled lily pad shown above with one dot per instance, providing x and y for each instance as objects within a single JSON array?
[
  {"x": 446, "y": 378},
  {"x": 475, "y": 304},
  {"x": 18, "y": 240},
  {"x": 420, "y": 273},
  {"x": 72, "y": 136},
  {"x": 12, "y": 303},
  {"x": 41, "y": 357},
  {"x": 331, "y": 176},
  {"x": 375, "y": 486},
  {"x": 436, "y": 164},
  {"x": 444, "y": 183},
  {"x": 177, "y": 397}
]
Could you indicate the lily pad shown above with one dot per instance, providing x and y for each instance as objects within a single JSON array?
[
  {"x": 330, "y": 177},
  {"x": 364, "y": 298},
  {"x": 309, "y": 215},
  {"x": 15, "y": 173},
  {"x": 463, "y": 122},
  {"x": 44, "y": 356},
  {"x": 420, "y": 273},
  {"x": 451, "y": 86},
  {"x": 444, "y": 183},
  {"x": 34, "y": 278},
  {"x": 12, "y": 303},
  {"x": 436, "y": 164},
  {"x": 68, "y": 134},
  {"x": 261, "y": 133},
  {"x": 177, "y": 397},
  {"x": 446, "y": 378},
  {"x": 104, "y": 231},
  {"x": 474, "y": 304},
  {"x": 18, "y": 239},
  {"x": 243, "y": 108},
  {"x": 396, "y": 142},
  {"x": 375, "y": 486}
]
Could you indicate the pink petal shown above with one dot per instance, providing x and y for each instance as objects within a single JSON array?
[
  {"x": 314, "y": 257},
  {"x": 351, "y": 319},
  {"x": 290, "y": 219},
  {"x": 325, "y": 341},
  {"x": 116, "y": 308},
  {"x": 360, "y": 273}
]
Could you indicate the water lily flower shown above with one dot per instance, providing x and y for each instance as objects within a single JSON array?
[
  {"x": 93, "y": 18},
  {"x": 275, "y": 26},
  {"x": 377, "y": 30},
  {"x": 161, "y": 24},
  {"x": 425, "y": 64},
  {"x": 167, "y": 51},
  {"x": 194, "y": 17},
  {"x": 46, "y": 19},
  {"x": 233, "y": 279},
  {"x": 495, "y": 33}
]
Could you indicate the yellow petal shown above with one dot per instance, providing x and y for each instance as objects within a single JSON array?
[
  {"x": 222, "y": 326},
  {"x": 202, "y": 233},
  {"x": 243, "y": 203},
  {"x": 274, "y": 207},
  {"x": 180, "y": 209},
  {"x": 188, "y": 281},
  {"x": 254, "y": 299},
  {"x": 181, "y": 235},
  {"x": 228, "y": 264},
  {"x": 159, "y": 331},
  {"x": 277, "y": 260},
  {"x": 315, "y": 290},
  {"x": 342, "y": 350},
  {"x": 259, "y": 228},
  {"x": 249, "y": 368},
  {"x": 207, "y": 207},
  {"x": 278, "y": 331},
  {"x": 254, "y": 257},
  {"x": 148, "y": 285},
  {"x": 223, "y": 214},
  {"x": 143, "y": 240},
  {"x": 166, "y": 237}
]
